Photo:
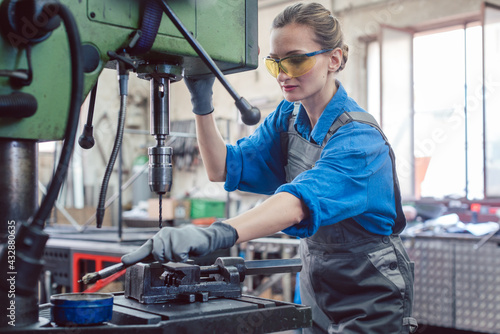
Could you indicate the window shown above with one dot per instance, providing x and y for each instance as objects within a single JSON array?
[
  {"x": 447, "y": 117},
  {"x": 427, "y": 90},
  {"x": 491, "y": 96}
]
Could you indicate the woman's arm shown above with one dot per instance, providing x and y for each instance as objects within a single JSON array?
[
  {"x": 212, "y": 147},
  {"x": 275, "y": 214}
]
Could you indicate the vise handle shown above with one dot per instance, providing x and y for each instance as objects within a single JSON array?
[{"x": 254, "y": 267}]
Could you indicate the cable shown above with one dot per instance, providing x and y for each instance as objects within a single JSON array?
[
  {"x": 73, "y": 117},
  {"x": 116, "y": 148}
]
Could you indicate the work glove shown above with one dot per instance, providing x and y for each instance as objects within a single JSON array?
[
  {"x": 178, "y": 244},
  {"x": 201, "y": 94},
  {"x": 139, "y": 254}
]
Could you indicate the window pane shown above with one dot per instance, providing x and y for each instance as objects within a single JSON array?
[
  {"x": 492, "y": 99},
  {"x": 396, "y": 98},
  {"x": 439, "y": 80},
  {"x": 475, "y": 175},
  {"x": 373, "y": 79}
]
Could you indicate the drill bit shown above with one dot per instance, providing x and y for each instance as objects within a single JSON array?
[{"x": 160, "y": 209}]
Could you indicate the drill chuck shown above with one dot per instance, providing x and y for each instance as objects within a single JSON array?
[{"x": 160, "y": 169}]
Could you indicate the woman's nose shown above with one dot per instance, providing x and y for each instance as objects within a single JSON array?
[{"x": 282, "y": 76}]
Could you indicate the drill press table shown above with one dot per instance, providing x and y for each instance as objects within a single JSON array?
[{"x": 246, "y": 314}]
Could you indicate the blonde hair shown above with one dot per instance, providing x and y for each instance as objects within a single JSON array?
[{"x": 325, "y": 26}]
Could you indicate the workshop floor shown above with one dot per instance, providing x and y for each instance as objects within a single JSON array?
[{"x": 421, "y": 330}]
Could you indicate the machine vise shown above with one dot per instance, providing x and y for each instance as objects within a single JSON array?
[{"x": 155, "y": 283}]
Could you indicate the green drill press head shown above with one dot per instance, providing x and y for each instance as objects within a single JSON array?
[{"x": 227, "y": 30}]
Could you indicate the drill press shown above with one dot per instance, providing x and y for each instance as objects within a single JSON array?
[
  {"x": 31, "y": 110},
  {"x": 40, "y": 54}
]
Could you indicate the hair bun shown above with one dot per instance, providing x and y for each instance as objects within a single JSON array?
[{"x": 345, "y": 56}]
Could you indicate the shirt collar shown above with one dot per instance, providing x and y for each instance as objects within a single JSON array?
[{"x": 333, "y": 110}]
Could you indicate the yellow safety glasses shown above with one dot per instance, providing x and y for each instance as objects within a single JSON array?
[{"x": 295, "y": 65}]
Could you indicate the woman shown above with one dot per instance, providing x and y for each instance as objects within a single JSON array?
[{"x": 332, "y": 180}]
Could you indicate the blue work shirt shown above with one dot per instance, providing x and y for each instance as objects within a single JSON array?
[{"x": 352, "y": 179}]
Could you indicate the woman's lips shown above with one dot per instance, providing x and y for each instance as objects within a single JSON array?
[{"x": 288, "y": 88}]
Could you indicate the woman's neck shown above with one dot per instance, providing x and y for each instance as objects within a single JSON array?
[{"x": 315, "y": 105}]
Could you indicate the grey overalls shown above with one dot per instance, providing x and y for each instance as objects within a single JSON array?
[{"x": 355, "y": 281}]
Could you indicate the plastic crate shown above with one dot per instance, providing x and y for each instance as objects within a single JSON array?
[{"x": 204, "y": 208}]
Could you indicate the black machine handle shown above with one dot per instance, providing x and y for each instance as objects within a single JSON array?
[
  {"x": 250, "y": 115},
  {"x": 18, "y": 105}
]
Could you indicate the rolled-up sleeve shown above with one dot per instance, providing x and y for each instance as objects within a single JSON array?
[
  {"x": 310, "y": 225},
  {"x": 255, "y": 163},
  {"x": 234, "y": 164}
]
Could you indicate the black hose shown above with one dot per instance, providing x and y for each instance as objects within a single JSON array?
[
  {"x": 74, "y": 114},
  {"x": 151, "y": 20},
  {"x": 101, "y": 207}
]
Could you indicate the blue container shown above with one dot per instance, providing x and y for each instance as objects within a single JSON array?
[{"x": 81, "y": 308}]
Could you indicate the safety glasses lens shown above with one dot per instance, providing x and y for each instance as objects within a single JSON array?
[
  {"x": 294, "y": 66},
  {"x": 272, "y": 67}
]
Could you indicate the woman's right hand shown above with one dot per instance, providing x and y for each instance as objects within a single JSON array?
[{"x": 201, "y": 94}]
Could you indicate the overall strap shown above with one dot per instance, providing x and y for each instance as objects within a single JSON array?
[
  {"x": 284, "y": 136},
  {"x": 366, "y": 118},
  {"x": 293, "y": 116}
]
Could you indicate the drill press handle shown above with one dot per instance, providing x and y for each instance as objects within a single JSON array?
[{"x": 249, "y": 115}]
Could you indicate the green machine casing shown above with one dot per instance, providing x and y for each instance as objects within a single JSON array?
[{"x": 227, "y": 30}]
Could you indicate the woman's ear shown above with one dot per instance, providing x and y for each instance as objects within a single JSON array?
[{"x": 335, "y": 59}]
